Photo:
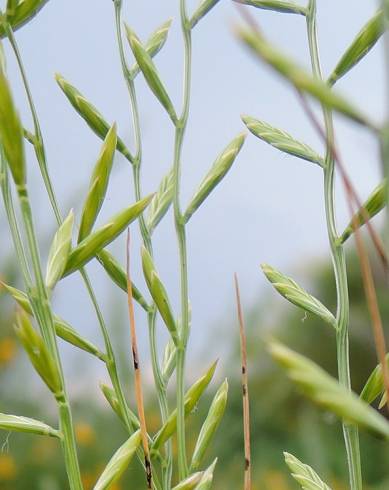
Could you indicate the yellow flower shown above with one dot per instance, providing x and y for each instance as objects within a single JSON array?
[
  {"x": 84, "y": 434},
  {"x": 7, "y": 350},
  {"x": 7, "y": 467},
  {"x": 275, "y": 479}
]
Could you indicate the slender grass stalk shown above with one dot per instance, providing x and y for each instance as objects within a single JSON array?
[
  {"x": 146, "y": 238},
  {"x": 181, "y": 239},
  {"x": 41, "y": 301},
  {"x": 350, "y": 431},
  {"x": 385, "y": 130},
  {"x": 245, "y": 390}
]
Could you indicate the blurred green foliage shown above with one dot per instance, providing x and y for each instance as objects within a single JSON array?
[{"x": 281, "y": 419}]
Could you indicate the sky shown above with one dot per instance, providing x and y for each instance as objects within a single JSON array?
[{"x": 269, "y": 208}]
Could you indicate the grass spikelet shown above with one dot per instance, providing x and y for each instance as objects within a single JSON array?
[
  {"x": 324, "y": 390},
  {"x": 282, "y": 140},
  {"x": 25, "y": 424},
  {"x": 217, "y": 172},
  {"x": 307, "y": 478},
  {"x": 291, "y": 291},
  {"x": 282, "y": 6}
]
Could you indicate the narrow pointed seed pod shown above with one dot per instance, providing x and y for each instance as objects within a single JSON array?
[
  {"x": 20, "y": 297},
  {"x": 111, "y": 398},
  {"x": 159, "y": 294},
  {"x": 59, "y": 251},
  {"x": 304, "y": 474},
  {"x": 38, "y": 353},
  {"x": 119, "y": 277},
  {"x": 327, "y": 392},
  {"x": 161, "y": 201},
  {"x": 360, "y": 47},
  {"x": 301, "y": 79},
  {"x": 62, "y": 328},
  {"x": 192, "y": 396},
  {"x": 201, "y": 11},
  {"x": 98, "y": 184},
  {"x": 218, "y": 170},
  {"x": 119, "y": 462},
  {"x": 207, "y": 478},
  {"x": 190, "y": 483},
  {"x": 99, "y": 239},
  {"x": 374, "y": 386},
  {"x": 25, "y": 424},
  {"x": 169, "y": 360},
  {"x": 90, "y": 114},
  {"x": 11, "y": 133},
  {"x": 70, "y": 335},
  {"x": 154, "y": 44},
  {"x": 210, "y": 425},
  {"x": 25, "y": 11},
  {"x": 291, "y": 291},
  {"x": 372, "y": 206},
  {"x": 276, "y": 5},
  {"x": 282, "y": 140},
  {"x": 150, "y": 73}
]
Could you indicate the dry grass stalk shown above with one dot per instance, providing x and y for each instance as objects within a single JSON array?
[
  {"x": 137, "y": 371},
  {"x": 245, "y": 390}
]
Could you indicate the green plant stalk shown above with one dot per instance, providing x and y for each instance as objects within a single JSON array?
[
  {"x": 384, "y": 136},
  {"x": 350, "y": 431},
  {"x": 12, "y": 221},
  {"x": 181, "y": 239},
  {"x": 38, "y": 139},
  {"x": 41, "y": 156},
  {"x": 48, "y": 331},
  {"x": 146, "y": 238}
]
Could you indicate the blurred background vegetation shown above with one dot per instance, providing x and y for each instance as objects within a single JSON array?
[{"x": 280, "y": 418}]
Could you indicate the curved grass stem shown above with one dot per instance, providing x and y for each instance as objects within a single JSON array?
[{"x": 339, "y": 263}]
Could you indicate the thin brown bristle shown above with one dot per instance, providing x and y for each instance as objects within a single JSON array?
[
  {"x": 245, "y": 390},
  {"x": 137, "y": 371}
]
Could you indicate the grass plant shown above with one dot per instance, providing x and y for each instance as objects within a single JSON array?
[{"x": 38, "y": 327}]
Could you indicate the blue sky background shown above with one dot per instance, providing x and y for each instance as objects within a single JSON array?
[{"x": 270, "y": 206}]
